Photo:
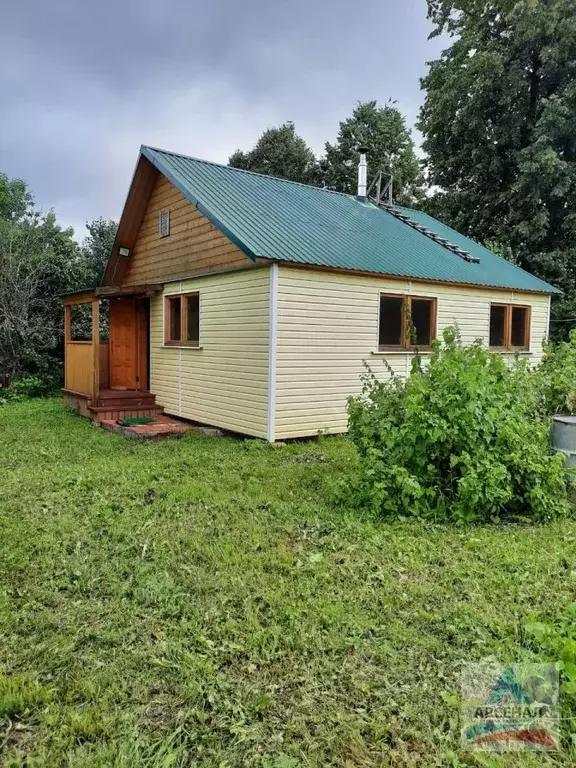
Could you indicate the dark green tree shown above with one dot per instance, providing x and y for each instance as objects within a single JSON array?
[
  {"x": 499, "y": 125},
  {"x": 15, "y": 199},
  {"x": 96, "y": 248},
  {"x": 279, "y": 152},
  {"x": 39, "y": 261},
  {"x": 390, "y": 148}
]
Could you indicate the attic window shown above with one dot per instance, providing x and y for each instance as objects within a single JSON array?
[{"x": 165, "y": 222}]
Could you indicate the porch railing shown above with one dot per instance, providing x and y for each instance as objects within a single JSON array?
[
  {"x": 83, "y": 359},
  {"x": 104, "y": 365},
  {"x": 79, "y": 366}
]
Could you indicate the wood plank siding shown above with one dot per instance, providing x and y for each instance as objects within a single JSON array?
[
  {"x": 327, "y": 325},
  {"x": 224, "y": 382},
  {"x": 194, "y": 245},
  {"x": 78, "y": 370}
]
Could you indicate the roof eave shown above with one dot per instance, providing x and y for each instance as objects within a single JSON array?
[
  {"x": 143, "y": 179},
  {"x": 391, "y": 276}
]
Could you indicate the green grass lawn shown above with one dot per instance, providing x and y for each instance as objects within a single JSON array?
[{"x": 203, "y": 602}]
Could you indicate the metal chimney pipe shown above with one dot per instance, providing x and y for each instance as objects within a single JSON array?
[{"x": 362, "y": 172}]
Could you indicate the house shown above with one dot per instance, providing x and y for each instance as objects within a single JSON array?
[{"x": 250, "y": 303}]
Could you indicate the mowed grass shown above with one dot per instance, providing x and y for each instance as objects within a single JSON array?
[{"x": 204, "y": 602}]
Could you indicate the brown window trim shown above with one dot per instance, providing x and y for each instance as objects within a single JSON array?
[
  {"x": 406, "y": 345},
  {"x": 508, "y": 347},
  {"x": 168, "y": 342}
]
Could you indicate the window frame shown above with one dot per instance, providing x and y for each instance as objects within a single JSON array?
[
  {"x": 181, "y": 342},
  {"x": 508, "y": 309},
  {"x": 405, "y": 344}
]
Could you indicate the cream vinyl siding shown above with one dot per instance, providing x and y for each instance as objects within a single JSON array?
[
  {"x": 225, "y": 382},
  {"x": 327, "y": 326}
]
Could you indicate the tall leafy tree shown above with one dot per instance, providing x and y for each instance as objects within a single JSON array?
[
  {"x": 384, "y": 132},
  {"x": 16, "y": 200},
  {"x": 96, "y": 248},
  {"x": 499, "y": 125},
  {"x": 39, "y": 260},
  {"x": 279, "y": 152}
]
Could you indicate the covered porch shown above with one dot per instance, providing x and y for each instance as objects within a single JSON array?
[{"x": 106, "y": 353}]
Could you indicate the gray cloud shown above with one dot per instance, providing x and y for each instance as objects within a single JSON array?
[{"x": 84, "y": 84}]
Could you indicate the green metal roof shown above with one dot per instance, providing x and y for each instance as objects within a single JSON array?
[{"x": 281, "y": 220}]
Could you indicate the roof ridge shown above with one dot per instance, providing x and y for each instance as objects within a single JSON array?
[{"x": 246, "y": 171}]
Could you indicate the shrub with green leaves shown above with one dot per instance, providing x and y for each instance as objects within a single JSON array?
[
  {"x": 557, "y": 641},
  {"x": 556, "y": 377},
  {"x": 22, "y": 389},
  {"x": 458, "y": 440}
]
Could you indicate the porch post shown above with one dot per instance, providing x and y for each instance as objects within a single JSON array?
[
  {"x": 67, "y": 337},
  {"x": 95, "y": 349}
]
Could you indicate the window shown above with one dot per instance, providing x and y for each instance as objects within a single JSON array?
[
  {"x": 391, "y": 321},
  {"x": 422, "y": 321},
  {"x": 520, "y": 328},
  {"x": 164, "y": 222},
  {"x": 406, "y": 321},
  {"x": 509, "y": 327},
  {"x": 193, "y": 319},
  {"x": 175, "y": 323},
  {"x": 182, "y": 320},
  {"x": 497, "y": 326}
]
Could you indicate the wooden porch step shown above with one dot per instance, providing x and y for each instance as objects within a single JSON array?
[
  {"x": 125, "y": 405},
  {"x": 112, "y": 399},
  {"x": 125, "y": 394},
  {"x": 113, "y": 414},
  {"x": 144, "y": 402}
]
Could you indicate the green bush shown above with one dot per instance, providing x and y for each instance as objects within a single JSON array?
[
  {"x": 556, "y": 377},
  {"x": 556, "y": 640},
  {"x": 22, "y": 389},
  {"x": 459, "y": 440}
]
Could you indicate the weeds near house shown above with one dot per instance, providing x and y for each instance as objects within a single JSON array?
[
  {"x": 556, "y": 377},
  {"x": 556, "y": 638},
  {"x": 23, "y": 389}
]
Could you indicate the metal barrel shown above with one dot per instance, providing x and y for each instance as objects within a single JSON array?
[{"x": 564, "y": 438}]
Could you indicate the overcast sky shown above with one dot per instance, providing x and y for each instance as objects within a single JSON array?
[{"x": 83, "y": 84}]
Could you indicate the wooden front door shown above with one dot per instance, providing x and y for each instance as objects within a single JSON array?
[{"x": 128, "y": 344}]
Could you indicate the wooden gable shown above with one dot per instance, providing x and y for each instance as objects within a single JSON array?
[{"x": 194, "y": 246}]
